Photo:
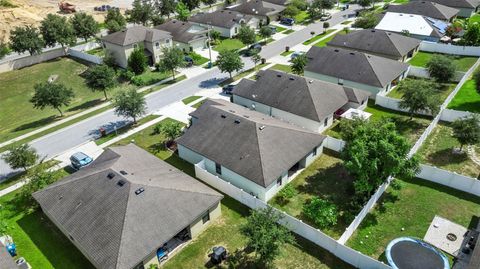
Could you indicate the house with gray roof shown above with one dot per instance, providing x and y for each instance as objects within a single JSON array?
[
  {"x": 186, "y": 35},
  {"x": 122, "y": 43},
  {"x": 355, "y": 69},
  {"x": 262, "y": 10},
  {"x": 466, "y": 7},
  {"x": 308, "y": 103},
  {"x": 129, "y": 209},
  {"x": 227, "y": 22},
  {"x": 426, "y": 8},
  {"x": 378, "y": 42},
  {"x": 253, "y": 151}
]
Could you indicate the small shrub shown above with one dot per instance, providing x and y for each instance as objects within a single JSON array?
[
  {"x": 287, "y": 193},
  {"x": 322, "y": 212},
  {"x": 195, "y": 57},
  {"x": 441, "y": 68}
]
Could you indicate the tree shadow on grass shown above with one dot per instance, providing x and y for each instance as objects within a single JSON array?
[
  {"x": 407, "y": 127},
  {"x": 52, "y": 243},
  {"x": 88, "y": 104},
  {"x": 446, "y": 157},
  {"x": 467, "y": 106},
  {"x": 444, "y": 189},
  {"x": 37, "y": 123},
  {"x": 321, "y": 254}
]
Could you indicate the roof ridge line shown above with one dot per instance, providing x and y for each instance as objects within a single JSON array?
[
  {"x": 371, "y": 67},
  {"x": 123, "y": 227},
  {"x": 175, "y": 189},
  {"x": 260, "y": 153}
]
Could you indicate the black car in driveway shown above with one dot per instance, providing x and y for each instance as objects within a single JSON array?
[
  {"x": 287, "y": 21},
  {"x": 253, "y": 49},
  {"x": 228, "y": 89}
]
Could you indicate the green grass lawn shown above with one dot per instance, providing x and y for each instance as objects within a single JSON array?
[
  {"x": 326, "y": 178},
  {"x": 242, "y": 74},
  {"x": 463, "y": 63},
  {"x": 324, "y": 42},
  {"x": 286, "y": 53},
  {"x": 38, "y": 240},
  {"x": 280, "y": 29},
  {"x": 100, "y": 52},
  {"x": 125, "y": 129},
  {"x": 467, "y": 99},
  {"x": 317, "y": 37},
  {"x": 442, "y": 94},
  {"x": 413, "y": 207},
  {"x": 401, "y": 1},
  {"x": 437, "y": 151},
  {"x": 334, "y": 130},
  {"x": 199, "y": 104},
  {"x": 282, "y": 67},
  {"x": 21, "y": 176},
  {"x": 229, "y": 44},
  {"x": 289, "y": 31},
  {"x": 190, "y": 99},
  {"x": 346, "y": 22}
]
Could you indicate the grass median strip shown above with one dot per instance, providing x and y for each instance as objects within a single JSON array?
[
  {"x": 125, "y": 129},
  {"x": 317, "y": 37}
]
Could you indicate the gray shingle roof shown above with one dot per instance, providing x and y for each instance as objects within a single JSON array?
[
  {"x": 136, "y": 34},
  {"x": 221, "y": 18},
  {"x": 6, "y": 261},
  {"x": 376, "y": 42},
  {"x": 278, "y": 2},
  {"x": 180, "y": 31},
  {"x": 425, "y": 8},
  {"x": 258, "y": 7},
  {"x": 311, "y": 99},
  {"x": 354, "y": 66},
  {"x": 457, "y": 3},
  {"x": 115, "y": 227},
  {"x": 258, "y": 147}
]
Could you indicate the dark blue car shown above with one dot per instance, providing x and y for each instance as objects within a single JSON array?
[{"x": 287, "y": 21}]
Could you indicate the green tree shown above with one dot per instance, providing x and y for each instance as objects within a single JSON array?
[
  {"x": 285, "y": 194},
  {"x": 101, "y": 78},
  {"x": 115, "y": 21},
  {"x": 26, "y": 39},
  {"x": 291, "y": 11},
  {"x": 365, "y": 3},
  {"x": 129, "y": 103},
  {"x": 4, "y": 50},
  {"x": 264, "y": 235},
  {"x": 367, "y": 19},
  {"x": 171, "y": 130},
  {"x": 209, "y": 2},
  {"x": 418, "y": 96},
  {"x": 165, "y": 7},
  {"x": 172, "y": 59},
  {"x": 300, "y": 4},
  {"x": 84, "y": 25},
  {"x": 54, "y": 95},
  {"x": 39, "y": 179},
  {"x": 182, "y": 11},
  {"x": 109, "y": 60},
  {"x": 322, "y": 212},
  {"x": 373, "y": 152},
  {"x": 22, "y": 156},
  {"x": 141, "y": 12},
  {"x": 265, "y": 33},
  {"x": 137, "y": 62},
  {"x": 472, "y": 35},
  {"x": 229, "y": 61},
  {"x": 467, "y": 130},
  {"x": 256, "y": 58},
  {"x": 298, "y": 64},
  {"x": 246, "y": 35},
  {"x": 191, "y": 4},
  {"x": 441, "y": 68},
  {"x": 317, "y": 8},
  {"x": 56, "y": 29},
  {"x": 158, "y": 19}
]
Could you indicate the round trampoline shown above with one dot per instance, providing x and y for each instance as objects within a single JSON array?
[{"x": 410, "y": 253}]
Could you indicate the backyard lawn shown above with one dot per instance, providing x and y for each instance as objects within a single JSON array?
[
  {"x": 326, "y": 178},
  {"x": 324, "y": 42},
  {"x": 438, "y": 151},
  {"x": 317, "y": 37},
  {"x": 463, "y": 63},
  {"x": 282, "y": 67},
  {"x": 411, "y": 208},
  {"x": 442, "y": 93},
  {"x": 228, "y": 44},
  {"x": 467, "y": 99}
]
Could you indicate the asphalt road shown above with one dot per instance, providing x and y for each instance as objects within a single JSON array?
[{"x": 81, "y": 132}]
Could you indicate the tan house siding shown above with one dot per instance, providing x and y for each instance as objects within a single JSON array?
[{"x": 198, "y": 226}]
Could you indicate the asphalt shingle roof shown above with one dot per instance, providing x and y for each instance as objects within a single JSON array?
[
  {"x": 457, "y": 3},
  {"x": 354, "y": 66},
  {"x": 376, "y": 42},
  {"x": 309, "y": 98},
  {"x": 253, "y": 145},
  {"x": 425, "y": 8},
  {"x": 221, "y": 18},
  {"x": 115, "y": 227},
  {"x": 136, "y": 34},
  {"x": 180, "y": 31},
  {"x": 258, "y": 7}
]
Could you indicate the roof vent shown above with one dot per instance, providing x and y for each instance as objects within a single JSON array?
[
  {"x": 261, "y": 127},
  {"x": 336, "y": 50},
  {"x": 232, "y": 111},
  {"x": 123, "y": 172},
  {"x": 139, "y": 190},
  {"x": 279, "y": 76},
  {"x": 291, "y": 78},
  {"x": 373, "y": 31},
  {"x": 310, "y": 81},
  {"x": 351, "y": 53},
  {"x": 223, "y": 116},
  {"x": 237, "y": 121},
  {"x": 121, "y": 182},
  {"x": 110, "y": 175}
]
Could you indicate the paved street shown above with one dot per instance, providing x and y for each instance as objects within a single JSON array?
[{"x": 72, "y": 136}]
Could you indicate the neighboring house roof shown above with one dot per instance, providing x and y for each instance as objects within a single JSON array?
[
  {"x": 414, "y": 24},
  {"x": 251, "y": 144},
  {"x": 308, "y": 98},
  {"x": 258, "y": 7},
  {"x": 278, "y": 2},
  {"x": 354, "y": 66},
  {"x": 113, "y": 225},
  {"x": 183, "y": 32},
  {"x": 6, "y": 261},
  {"x": 376, "y": 42},
  {"x": 458, "y": 3},
  {"x": 136, "y": 34},
  {"x": 221, "y": 18},
  {"x": 425, "y": 8}
]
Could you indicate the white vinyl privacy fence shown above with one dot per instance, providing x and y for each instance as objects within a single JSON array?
[
  {"x": 334, "y": 144},
  {"x": 450, "y": 179},
  {"x": 450, "y": 115},
  {"x": 80, "y": 52},
  {"x": 345, "y": 253},
  {"x": 421, "y": 72},
  {"x": 449, "y": 49}
]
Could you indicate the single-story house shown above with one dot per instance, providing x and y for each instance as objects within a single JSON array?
[
  {"x": 186, "y": 36},
  {"x": 129, "y": 209},
  {"x": 122, "y": 43},
  {"x": 427, "y": 9},
  {"x": 378, "y": 42},
  {"x": 264, "y": 11},
  {"x": 252, "y": 151},
  {"x": 308, "y": 103},
  {"x": 355, "y": 69},
  {"x": 227, "y": 22},
  {"x": 417, "y": 26},
  {"x": 466, "y": 7}
]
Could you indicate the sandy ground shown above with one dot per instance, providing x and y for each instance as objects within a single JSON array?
[{"x": 32, "y": 12}]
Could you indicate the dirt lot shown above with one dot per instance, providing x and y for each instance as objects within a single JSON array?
[{"x": 32, "y": 12}]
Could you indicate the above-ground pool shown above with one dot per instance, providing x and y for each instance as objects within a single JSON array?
[{"x": 410, "y": 253}]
